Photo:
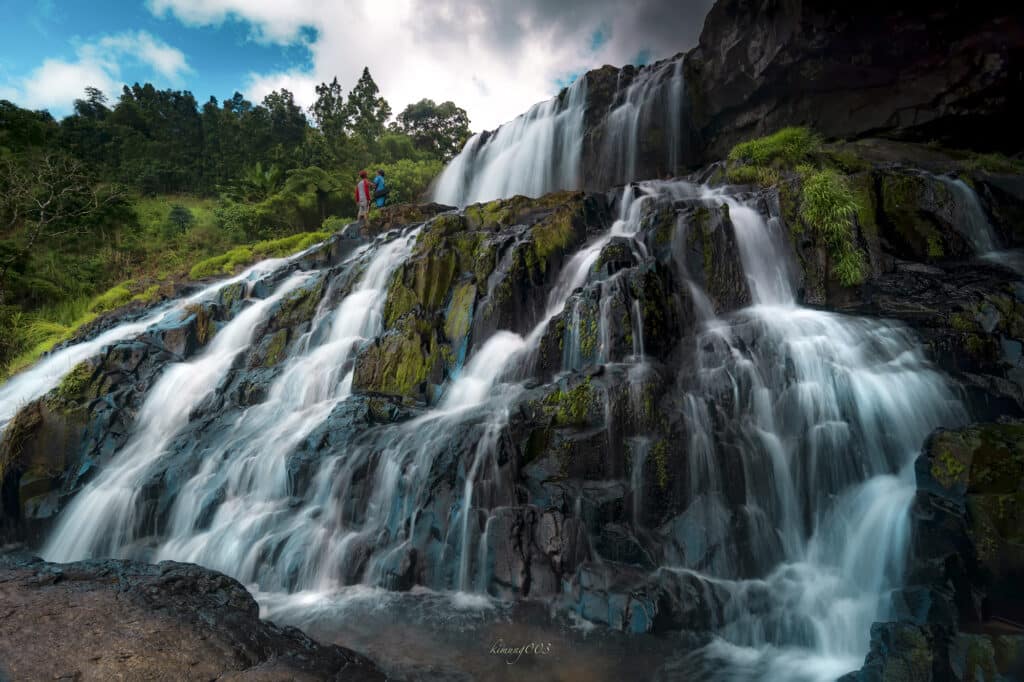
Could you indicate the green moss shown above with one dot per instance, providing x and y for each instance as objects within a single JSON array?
[
  {"x": 962, "y": 322},
  {"x": 204, "y": 323},
  {"x": 401, "y": 361},
  {"x": 659, "y": 451},
  {"x": 553, "y": 234},
  {"x": 845, "y": 160},
  {"x": 434, "y": 232},
  {"x": 148, "y": 294},
  {"x": 828, "y": 206},
  {"x": 73, "y": 386},
  {"x": 299, "y": 305},
  {"x": 17, "y": 434},
  {"x": 866, "y": 205},
  {"x": 995, "y": 163},
  {"x": 227, "y": 263},
  {"x": 115, "y": 297},
  {"x": 536, "y": 445},
  {"x": 484, "y": 260},
  {"x": 232, "y": 293},
  {"x": 275, "y": 349},
  {"x": 588, "y": 335},
  {"x": 573, "y": 407},
  {"x": 400, "y": 299},
  {"x": 223, "y": 264},
  {"x": 788, "y": 146},
  {"x": 762, "y": 176},
  {"x": 433, "y": 277},
  {"x": 460, "y": 312},
  {"x": 947, "y": 467}
]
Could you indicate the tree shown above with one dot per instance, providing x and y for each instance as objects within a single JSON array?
[
  {"x": 287, "y": 122},
  {"x": 256, "y": 183},
  {"x": 329, "y": 111},
  {"x": 316, "y": 180},
  {"x": 180, "y": 218},
  {"x": 441, "y": 129},
  {"x": 49, "y": 196},
  {"x": 367, "y": 112},
  {"x": 93, "y": 106}
]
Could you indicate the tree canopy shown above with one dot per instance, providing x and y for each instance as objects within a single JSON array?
[
  {"x": 439, "y": 129},
  {"x": 136, "y": 185}
]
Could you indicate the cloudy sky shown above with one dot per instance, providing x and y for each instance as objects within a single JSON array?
[{"x": 492, "y": 57}]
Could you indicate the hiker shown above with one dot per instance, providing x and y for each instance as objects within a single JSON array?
[
  {"x": 381, "y": 191},
  {"x": 364, "y": 194}
]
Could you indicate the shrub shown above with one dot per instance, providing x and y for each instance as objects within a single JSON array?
[
  {"x": 115, "y": 297},
  {"x": 179, "y": 218},
  {"x": 227, "y": 263},
  {"x": 828, "y": 206},
  {"x": 788, "y": 146}
]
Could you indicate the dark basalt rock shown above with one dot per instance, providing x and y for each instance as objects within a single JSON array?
[
  {"x": 170, "y": 621},
  {"x": 960, "y": 608},
  {"x": 947, "y": 72}
]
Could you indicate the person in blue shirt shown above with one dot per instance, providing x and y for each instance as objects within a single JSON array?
[{"x": 381, "y": 188}]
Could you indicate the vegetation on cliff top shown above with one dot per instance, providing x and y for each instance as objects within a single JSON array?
[{"x": 158, "y": 186}]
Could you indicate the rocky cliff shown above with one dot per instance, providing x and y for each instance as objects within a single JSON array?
[
  {"x": 949, "y": 72},
  {"x": 590, "y": 485}
]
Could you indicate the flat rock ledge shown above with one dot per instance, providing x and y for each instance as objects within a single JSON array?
[{"x": 125, "y": 620}]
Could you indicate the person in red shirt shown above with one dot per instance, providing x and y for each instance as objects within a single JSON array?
[{"x": 364, "y": 195}]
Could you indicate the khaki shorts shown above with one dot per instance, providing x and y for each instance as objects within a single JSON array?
[{"x": 364, "y": 210}]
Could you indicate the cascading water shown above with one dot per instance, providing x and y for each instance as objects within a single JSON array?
[
  {"x": 656, "y": 90},
  {"x": 246, "y": 469},
  {"x": 829, "y": 413},
  {"x": 800, "y": 429},
  {"x": 103, "y": 519},
  {"x": 532, "y": 155},
  {"x": 543, "y": 150},
  {"x": 46, "y": 374}
]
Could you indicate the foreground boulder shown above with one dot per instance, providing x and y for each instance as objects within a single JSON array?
[{"x": 106, "y": 620}]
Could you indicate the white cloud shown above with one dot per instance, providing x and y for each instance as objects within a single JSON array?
[
  {"x": 56, "y": 83},
  {"x": 492, "y": 57}
]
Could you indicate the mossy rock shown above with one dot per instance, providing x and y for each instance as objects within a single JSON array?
[
  {"x": 400, "y": 215},
  {"x": 274, "y": 352},
  {"x": 204, "y": 327},
  {"x": 985, "y": 463},
  {"x": 918, "y": 214},
  {"x": 516, "y": 210},
  {"x": 298, "y": 306},
  {"x": 578, "y": 406},
  {"x": 402, "y": 363},
  {"x": 459, "y": 315}
]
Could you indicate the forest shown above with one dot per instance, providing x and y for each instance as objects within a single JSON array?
[{"x": 123, "y": 199}]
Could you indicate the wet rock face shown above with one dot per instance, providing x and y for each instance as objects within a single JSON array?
[
  {"x": 170, "y": 621},
  {"x": 964, "y": 577},
  {"x": 943, "y": 72}
]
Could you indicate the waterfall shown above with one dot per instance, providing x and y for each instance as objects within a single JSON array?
[
  {"x": 46, "y": 374},
  {"x": 243, "y": 481},
  {"x": 103, "y": 519},
  {"x": 653, "y": 90},
  {"x": 830, "y": 412},
  {"x": 546, "y": 148},
  {"x": 797, "y": 429},
  {"x": 537, "y": 152}
]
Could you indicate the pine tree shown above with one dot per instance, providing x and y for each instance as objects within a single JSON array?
[{"x": 367, "y": 112}]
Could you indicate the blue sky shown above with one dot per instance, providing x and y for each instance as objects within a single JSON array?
[{"x": 491, "y": 57}]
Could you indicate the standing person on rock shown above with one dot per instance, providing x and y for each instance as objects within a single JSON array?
[
  {"x": 381, "y": 189},
  {"x": 364, "y": 194}
]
